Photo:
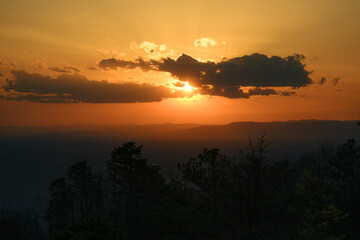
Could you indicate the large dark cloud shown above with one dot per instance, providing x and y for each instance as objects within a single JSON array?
[
  {"x": 76, "y": 88},
  {"x": 226, "y": 78}
]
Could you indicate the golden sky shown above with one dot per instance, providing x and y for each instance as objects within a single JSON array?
[{"x": 236, "y": 64}]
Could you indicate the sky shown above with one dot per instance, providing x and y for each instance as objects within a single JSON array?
[{"x": 147, "y": 62}]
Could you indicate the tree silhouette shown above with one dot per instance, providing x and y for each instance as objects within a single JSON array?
[
  {"x": 60, "y": 211},
  {"x": 211, "y": 197},
  {"x": 346, "y": 172},
  {"x": 140, "y": 187},
  {"x": 82, "y": 182}
]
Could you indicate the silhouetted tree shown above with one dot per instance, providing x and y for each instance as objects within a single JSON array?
[
  {"x": 82, "y": 183},
  {"x": 346, "y": 172},
  {"x": 60, "y": 211},
  {"x": 211, "y": 197},
  {"x": 140, "y": 187},
  {"x": 74, "y": 196},
  {"x": 201, "y": 194}
]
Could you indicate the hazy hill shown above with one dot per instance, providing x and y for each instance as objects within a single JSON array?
[{"x": 31, "y": 157}]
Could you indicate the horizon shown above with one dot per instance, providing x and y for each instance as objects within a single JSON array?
[{"x": 174, "y": 123}]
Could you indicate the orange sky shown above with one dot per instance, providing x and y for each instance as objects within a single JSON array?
[{"x": 52, "y": 38}]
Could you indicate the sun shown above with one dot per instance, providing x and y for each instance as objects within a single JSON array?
[
  {"x": 184, "y": 86},
  {"x": 187, "y": 87}
]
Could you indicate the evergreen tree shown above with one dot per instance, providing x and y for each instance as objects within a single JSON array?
[{"x": 140, "y": 186}]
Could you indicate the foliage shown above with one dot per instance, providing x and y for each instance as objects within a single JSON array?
[{"x": 211, "y": 197}]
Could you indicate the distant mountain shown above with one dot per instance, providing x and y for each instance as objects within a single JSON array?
[
  {"x": 31, "y": 157},
  {"x": 290, "y": 130},
  {"x": 302, "y": 130}
]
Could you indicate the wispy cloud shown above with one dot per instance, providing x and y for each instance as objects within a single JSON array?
[
  {"x": 64, "y": 69},
  {"x": 205, "y": 42},
  {"x": 335, "y": 81},
  {"x": 322, "y": 80},
  {"x": 152, "y": 50}
]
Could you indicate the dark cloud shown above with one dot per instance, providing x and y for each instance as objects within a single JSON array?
[
  {"x": 64, "y": 69},
  {"x": 235, "y": 92},
  {"x": 226, "y": 78},
  {"x": 268, "y": 91},
  {"x": 60, "y": 70},
  {"x": 229, "y": 92},
  {"x": 92, "y": 68},
  {"x": 322, "y": 80},
  {"x": 262, "y": 92},
  {"x": 335, "y": 81},
  {"x": 113, "y": 63},
  {"x": 76, "y": 88},
  {"x": 40, "y": 98},
  {"x": 74, "y": 69},
  {"x": 287, "y": 93}
]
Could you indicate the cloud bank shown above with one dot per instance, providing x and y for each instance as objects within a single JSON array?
[
  {"x": 259, "y": 74},
  {"x": 68, "y": 88},
  {"x": 226, "y": 78}
]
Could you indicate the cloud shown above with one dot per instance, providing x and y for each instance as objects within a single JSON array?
[
  {"x": 64, "y": 69},
  {"x": 322, "y": 80},
  {"x": 60, "y": 70},
  {"x": 153, "y": 50},
  {"x": 335, "y": 81},
  {"x": 72, "y": 69},
  {"x": 44, "y": 98},
  {"x": 225, "y": 78},
  {"x": 235, "y": 92},
  {"x": 68, "y": 88},
  {"x": 268, "y": 92},
  {"x": 205, "y": 42},
  {"x": 114, "y": 63},
  {"x": 262, "y": 92},
  {"x": 149, "y": 47},
  {"x": 287, "y": 93},
  {"x": 229, "y": 92}
]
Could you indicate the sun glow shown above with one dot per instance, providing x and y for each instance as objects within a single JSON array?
[{"x": 185, "y": 86}]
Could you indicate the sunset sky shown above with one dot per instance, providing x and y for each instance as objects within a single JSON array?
[{"x": 209, "y": 62}]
